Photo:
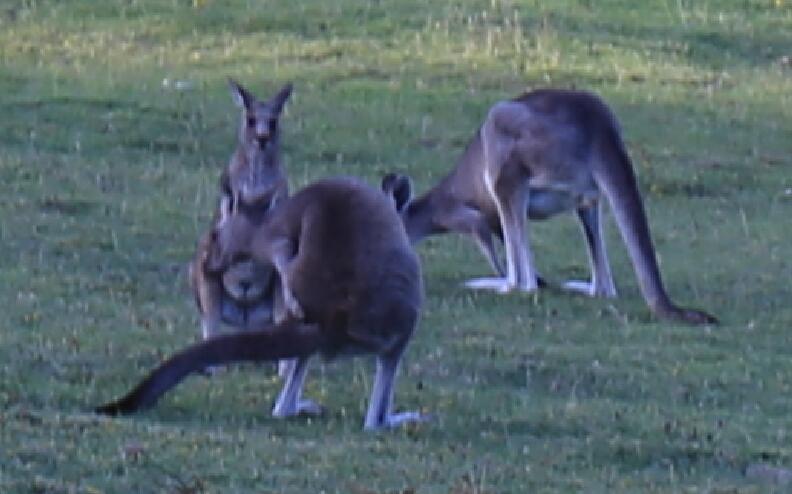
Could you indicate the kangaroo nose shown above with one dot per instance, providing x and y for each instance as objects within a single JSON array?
[
  {"x": 262, "y": 129},
  {"x": 244, "y": 285}
]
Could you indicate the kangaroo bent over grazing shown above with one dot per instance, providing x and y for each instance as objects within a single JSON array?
[
  {"x": 241, "y": 295},
  {"x": 349, "y": 265},
  {"x": 544, "y": 153}
]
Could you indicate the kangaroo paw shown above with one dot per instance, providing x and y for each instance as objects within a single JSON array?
[{"x": 398, "y": 419}]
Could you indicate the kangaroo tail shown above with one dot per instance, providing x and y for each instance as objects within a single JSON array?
[
  {"x": 288, "y": 340},
  {"x": 615, "y": 176}
]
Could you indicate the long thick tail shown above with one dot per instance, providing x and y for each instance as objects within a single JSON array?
[
  {"x": 615, "y": 176},
  {"x": 288, "y": 340}
]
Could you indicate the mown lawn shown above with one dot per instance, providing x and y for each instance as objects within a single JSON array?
[{"x": 108, "y": 175}]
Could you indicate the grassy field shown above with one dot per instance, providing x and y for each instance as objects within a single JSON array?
[{"x": 108, "y": 176}]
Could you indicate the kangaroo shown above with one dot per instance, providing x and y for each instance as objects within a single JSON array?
[
  {"x": 241, "y": 295},
  {"x": 543, "y": 153},
  {"x": 345, "y": 257}
]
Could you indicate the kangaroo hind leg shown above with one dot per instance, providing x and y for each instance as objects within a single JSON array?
[
  {"x": 506, "y": 177},
  {"x": 601, "y": 284},
  {"x": 512, "y": 199},
  {"x": 380, "y": 410},
  {"x": 290, "y": 402},
  {"x": 508, "y": 184},
  {"x": 279, "y": 314},
  {"x": 379, "y": 414}
]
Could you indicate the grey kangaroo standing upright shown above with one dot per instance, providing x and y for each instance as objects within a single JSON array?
[
  {"x": 344, "y": 257},
  {"x": 254, "y": 180},
  {"x": 543, "y": 153}
]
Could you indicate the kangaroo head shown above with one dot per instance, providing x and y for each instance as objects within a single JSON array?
[
  {"x": 259, "y": 123},
  {"x": 255, "y": 167}
]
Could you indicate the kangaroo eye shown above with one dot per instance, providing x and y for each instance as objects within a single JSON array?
[
  {"x": 251, "y": 121},
  {"x": 273, "y": 125}
]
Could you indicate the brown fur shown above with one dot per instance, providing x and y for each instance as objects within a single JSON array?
[
  {"x": 349, "y": 264},
  {"x": 541, "y": 154},
  {"x": 241, "y": 295}
]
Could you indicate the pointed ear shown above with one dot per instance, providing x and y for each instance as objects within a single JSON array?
[
  {"x": 399, "y": 188},
  {"x": 242, "y": 97},
  {"x": 278, "y": 101}
]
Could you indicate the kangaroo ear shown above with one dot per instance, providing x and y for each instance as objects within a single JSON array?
[
  {"x": 399, "y": 188},
  {"x": 279, "y": 100},
  {"x": 242, "y": 97}
]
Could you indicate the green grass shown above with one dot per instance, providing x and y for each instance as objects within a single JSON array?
[{"x": 108, "y": 176}]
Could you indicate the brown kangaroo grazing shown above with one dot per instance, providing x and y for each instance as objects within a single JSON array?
[
  {"x": 347, "y": 261},
  {"x": 543, "y": 153},
  {"x": 241, "y": 295}
]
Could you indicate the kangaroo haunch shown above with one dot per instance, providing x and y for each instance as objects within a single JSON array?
[
  {"x": 543, "y": 153},
  {"x": 348, "y": 264}
]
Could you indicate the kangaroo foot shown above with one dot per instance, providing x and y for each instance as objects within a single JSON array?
[
  {"x": 304, "y": 407},
  {"x": 500, "y": 285},
  {"x": 397, "y": 419},
  {"x": 587, "y": 288}
]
